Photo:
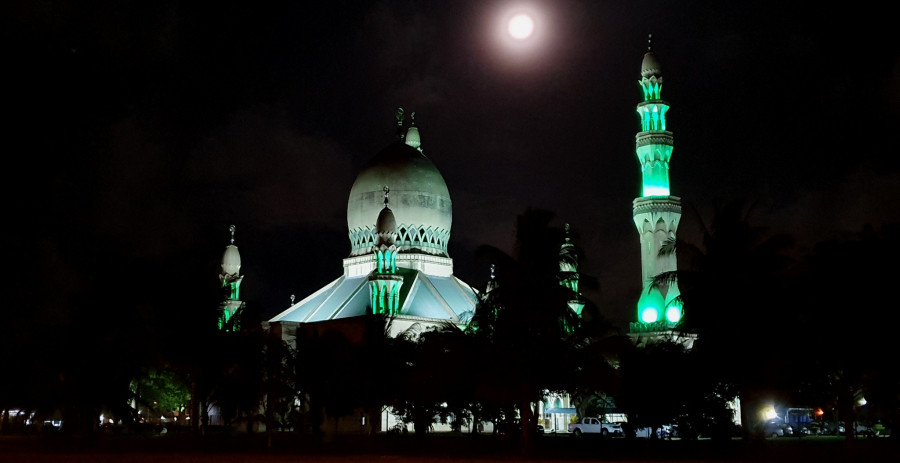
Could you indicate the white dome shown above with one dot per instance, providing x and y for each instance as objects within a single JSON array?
[
  {"x": 650, "y": 65},
  {"x": 231, "y": 260},
  {"x": 420, "y": 202}
]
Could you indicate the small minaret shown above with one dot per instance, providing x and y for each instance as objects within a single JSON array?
[
  {"x": 568, "y": 272},
  {"x": 230, "y": 277},
  {"x": 656, "y": 212},
  {"x": 384, "y": 283}
]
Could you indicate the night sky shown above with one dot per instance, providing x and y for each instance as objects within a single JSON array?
[{"x": 137, "y": 132}]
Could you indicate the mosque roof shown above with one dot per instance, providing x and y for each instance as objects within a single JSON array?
[
  {"x": 420, "y": 201},
  {"x": 399, "y": 198},
  {"x": 422, "y": 295}
]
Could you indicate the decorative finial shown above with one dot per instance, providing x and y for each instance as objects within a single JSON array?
[
  {"x": 399, "y": 116},
  {"x": 649, "y": 42},
  {"x": 493, "y": 267},
  {"x": 231, "y": 229},
  {"x": 292, "y": 299},
  {"x": 387, "y": 200},
  {"x": 567, "y": 232},
  {"x": 412, "y": 118}
]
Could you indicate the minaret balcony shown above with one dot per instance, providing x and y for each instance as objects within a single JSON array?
[{"x": 653, "y": 137}]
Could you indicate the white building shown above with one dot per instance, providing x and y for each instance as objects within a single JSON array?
[{"x": 398, "y": 216}]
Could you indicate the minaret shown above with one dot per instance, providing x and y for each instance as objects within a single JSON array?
[
  {"x": 656, "y": 211},
  {"x": 231, "y": 285},
  {"x": 568, "y": 273},
  {"x": 384, "y": 283}
]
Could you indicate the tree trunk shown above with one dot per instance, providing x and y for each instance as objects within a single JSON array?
[
  {"x": 749, "y": 423},
  {"x": 526, "y": 417},
  {"x": 195, "y": 406},
  {"x": 270, "y": 421}
]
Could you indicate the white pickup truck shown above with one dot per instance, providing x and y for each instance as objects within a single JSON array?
[{"x": 591, "y": 425}]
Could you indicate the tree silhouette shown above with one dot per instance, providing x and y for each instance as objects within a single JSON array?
[
  {"x": 848, "y": 292},
  {"x": 525, "y": 331},
  {"x": 732, "y": 290}
]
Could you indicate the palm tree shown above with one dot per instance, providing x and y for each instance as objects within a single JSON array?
[
  {"x": 731, "y": 290},
  {"x": 849, "y": 276},
  {"x": 525, "y": 331}
]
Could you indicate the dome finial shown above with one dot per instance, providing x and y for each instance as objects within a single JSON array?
[
  {"x": 398, "y": 115},
  {"x": 412, "y": 134},
  {"x": 292, "y": 299},
  {"x": 231, "y": 229},
  {"x": 493, "y": 269},
  {"x": 649, "y": 42},
  {"x": 568, "y": 239},
  {"x": 387, "y": 201}
]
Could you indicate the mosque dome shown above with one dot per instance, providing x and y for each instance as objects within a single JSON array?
[
  {"x": 386, "y": 222},
  {"x": 386, "y": 225},
  {"x": 231, "y": 260},
  {"x": 650, "y": 66},
  {"x": 420, "y": 201}
]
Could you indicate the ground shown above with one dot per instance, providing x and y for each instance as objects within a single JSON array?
[{"x": 239, "y": 448}]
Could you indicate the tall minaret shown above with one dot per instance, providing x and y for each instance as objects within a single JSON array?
[
  {"x": 656, "y": 211},
  {"x": 568, "y": 273},
  {"x": 384, "y": 283},
  {"x": 231, "y": 285}
]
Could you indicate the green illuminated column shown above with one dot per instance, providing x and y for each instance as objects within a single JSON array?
[
  {"x": 384, "y": 283},
  {"x": 656, "y": 212}
]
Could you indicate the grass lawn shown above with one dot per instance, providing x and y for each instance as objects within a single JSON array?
[{"x": 240, "y": 448}]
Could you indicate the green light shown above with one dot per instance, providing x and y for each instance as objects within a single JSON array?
[
  {"x": 650, "y": 315},
  {"x": 656, "y": 191},
  {"x": 673, "y": 313}
]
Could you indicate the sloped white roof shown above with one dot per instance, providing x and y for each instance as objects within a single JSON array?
[{"x": 422, "y": 295}]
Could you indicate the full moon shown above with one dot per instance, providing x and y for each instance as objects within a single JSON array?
[{"x": 521, "y": 26}]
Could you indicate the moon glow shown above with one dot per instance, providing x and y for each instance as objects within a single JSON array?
[{"x": 521, "y": 26}]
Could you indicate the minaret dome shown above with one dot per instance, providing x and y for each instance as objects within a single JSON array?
[{"x": 231, "y": 260}]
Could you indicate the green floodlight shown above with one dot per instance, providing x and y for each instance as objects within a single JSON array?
[
  {"x": 649, "y": 315},
  {"x": 673, "y": 313}
]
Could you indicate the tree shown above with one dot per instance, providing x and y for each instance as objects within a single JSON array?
[
  {"x": 848, "y": 276},
  {"x": 525, "y": 331},
  {"x": 732, "y": 292}
]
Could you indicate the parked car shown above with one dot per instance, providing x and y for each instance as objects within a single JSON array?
[
  {"x": 593, "y": 425},
  {"x": 777, "y": 429},
  {"x": 833, "y": 429}
]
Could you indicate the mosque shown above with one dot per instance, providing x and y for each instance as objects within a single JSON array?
[{"x": 399, "y": 218}]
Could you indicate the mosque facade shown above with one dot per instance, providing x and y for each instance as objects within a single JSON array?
[{"x": 399, "y": 216}]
